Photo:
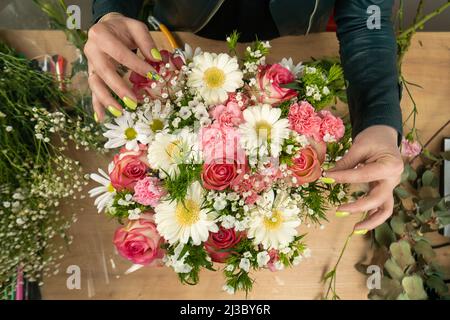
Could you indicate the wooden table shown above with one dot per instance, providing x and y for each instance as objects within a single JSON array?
[{"x": 103, "y": 271}]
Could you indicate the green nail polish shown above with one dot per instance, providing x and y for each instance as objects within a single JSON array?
[
  {"x": 130, "y": 103},
  {"x": 153, "y": 76},
  {"x": 96, "y": 117},
  {"x": 327, "y": 180},
  {"x": 342, "y": 214},
  {"x": 114, "y": 111},
  {"x": 156, "y": 54},
  {"x": 360, "y": 232}
]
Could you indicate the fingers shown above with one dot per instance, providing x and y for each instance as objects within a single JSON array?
[
  {"x": 378, "y": 217},
  {"x": 99, "y": 113},
  {"x": 144, "y": 41},
  {"x": 349, "y": 161},
  {"x": 375, "y": 198},
  {"x": 103, "y": 97}
]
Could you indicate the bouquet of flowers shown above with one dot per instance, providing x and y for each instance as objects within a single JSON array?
[{"x": 221, "y": 161}]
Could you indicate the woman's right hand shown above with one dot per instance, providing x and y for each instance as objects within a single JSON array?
[{"x": 111, "y": 41}]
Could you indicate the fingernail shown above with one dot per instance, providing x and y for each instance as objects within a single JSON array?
[
  {"x": 114, "y": 111},
  {"x": 327, "y": 166},
  {"x": 360, "y": 232},
  {"x": 153, "y": 76},
  {"x": 327, "y": 180},
  {"x": 156, "y": 54},
  {"x": 130, "y": 103},
  {"x": 342, "y": 214},
  {"x": 96, "y": 117}
]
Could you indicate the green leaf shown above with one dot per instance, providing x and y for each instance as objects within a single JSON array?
[
  {"x": 402, "y": 193},
  {"x": 403, "y": 296},
  {"x": 427, "y": 178},
  {"x": 423, "y": 248},
  {"x": 401, "y": 252},
  {"x": 384, "y": 235},
  {"x": 413, "y": 287},
  {"x": 397, "y": 225},
  {"x": 437, "y": 284},
  {"x": 394, "y": 270},
  {"x": 444, "y": 217},
  {"x": 328, "y": 275},
  {"x": 446, "y": 155},
  {"x": 389, "y": 290}
]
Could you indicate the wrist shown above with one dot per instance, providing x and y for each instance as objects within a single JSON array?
[{"x": 110, "y": 15}]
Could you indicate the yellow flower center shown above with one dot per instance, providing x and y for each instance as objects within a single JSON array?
[
  {"x": 214, "y": 78},
  {"x": 130, "y": 134},
  {"x": 156, "y": 125},
  {"x": 275, "y": 221},
  {"x": 263, "y": 130},
  {"x": 187, "y": 213},
  {"x": 173, "y": 149},
  {"x": 110, "y": 188}
]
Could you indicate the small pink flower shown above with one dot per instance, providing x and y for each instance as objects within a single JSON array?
[
  {"x": 229, "y": 115},
  {"x": 148, "y": 191},
  {"x": 274, "y": 257},
  {"x": 304, "y": 120},
  {"x": 331, "y": 128},
  {"x": 410, "y": 149},
  {"x": 240, "y": 98}
]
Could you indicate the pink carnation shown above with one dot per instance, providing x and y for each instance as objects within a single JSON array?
[
  {"x": 331, "y": 128},
  {"x": 229, "y": 115},
  {"x": 410, "y": 148},
  {"x": 304, "y": 120},
  {"x": 148, "y": 191}
]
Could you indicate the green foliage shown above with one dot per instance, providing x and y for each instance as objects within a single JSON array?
[{"x": 177, "y": 186}]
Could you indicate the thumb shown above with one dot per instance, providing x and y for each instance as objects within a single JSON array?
[{"x": 349, "y": 161}]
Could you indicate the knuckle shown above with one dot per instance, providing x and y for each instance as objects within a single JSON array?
[{"x": 95, "y": 32}]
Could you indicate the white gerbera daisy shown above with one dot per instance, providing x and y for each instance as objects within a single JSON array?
[
  {"x": 105, "y": 193},
  {"x": 169, "y": 150},
  {"x": 213, "y": 76},
  {"x": 189, "y": 53},
  {"x": 124, "y": 132},
  {"x": 181, "y": 221},
  {"x": 274, "y": 221},
  {"x": 289, "y": 64},
  {"x": 263, "y": 128},
  {"x": 152, "y": 120}
]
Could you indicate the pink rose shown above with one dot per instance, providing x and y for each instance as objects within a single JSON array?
[
  {"x": 331, "y": 128},
  {"x": 304, "y": 120},
  {"x": 221, "y": 174},
  {"x": 305, "y": 166},
  {"x": 269, "y": 83},
  {"x": 220, "y": 244},
  {"x": 148, "y": 191},
  {"x": 129, "y": 168},
  {"x": 409, "y": 148},
  {"x": 139, "y": 241},
  {"x": 168, "y": 70},
  {"x": 229, "y": 115}
]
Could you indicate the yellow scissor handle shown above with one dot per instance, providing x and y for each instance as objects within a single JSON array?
[{"x": 159, "y": 26}]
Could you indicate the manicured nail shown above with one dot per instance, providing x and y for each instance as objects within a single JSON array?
[
  {"x": 360, "y": 232},
  {"x": 130, "y": 103},
  {"x": 327, "y": 166},
  {"x": 156, "y": 54},
  {"x": 96, "y": 117},
  {"x": 153, "y": 76},
  {"x": 114, "y": 111},
  {"x": 342, "y": 214},
  {"x": 327, "y": 180}
]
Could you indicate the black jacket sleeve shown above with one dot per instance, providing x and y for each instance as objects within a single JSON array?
[
  {"x": 129, "y": 8},
  {"x": 369, "y": 60}
]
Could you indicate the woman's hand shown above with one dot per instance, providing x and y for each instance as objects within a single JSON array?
[
  {"x": 374, "y": 158},
  {"x": 110, "y": 43}
]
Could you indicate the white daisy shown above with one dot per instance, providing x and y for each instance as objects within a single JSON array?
[
  {"x": 274, "y": 221},
  {"x": 189, "y": 53},
  {"x": 181, "y": 221},
  {"x": 169, "y": 150},
  {"x": 152, "y": 120},
  {"x": 105, "y": 193},
  {"x": 295, "y": 69},
  {"x": 213, "y": 76},
  {"x": 263, "y": 128},
  {"x": 124, "y": 132}
]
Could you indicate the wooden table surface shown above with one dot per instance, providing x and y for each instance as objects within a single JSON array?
[{"x": 103, "y": 271}]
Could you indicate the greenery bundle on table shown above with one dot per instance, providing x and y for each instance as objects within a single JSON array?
[{"x": 35, "y": 131}]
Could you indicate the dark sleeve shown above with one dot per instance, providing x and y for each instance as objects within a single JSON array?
[
  {"x": 129, "y": 8},
  {"x": 369, "y": 60}
]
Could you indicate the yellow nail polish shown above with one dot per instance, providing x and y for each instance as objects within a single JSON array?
[
  {"x": 156, "y": 54},
  {"x": 360, "y": 232},
  {"x": 96, "y": 117},
  {"x": 327, "y": 180},
  {"x": 114, "y": 111},
  {"x": 153, "y": 76},
  {"x": 130, "y": 103},
  {"x": 342, "y": 214}
]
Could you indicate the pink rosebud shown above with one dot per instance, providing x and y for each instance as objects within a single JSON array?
[
  {"x": 148, "y": 191},
  {"x": 220, "y": 244},
  {"x": 129, "y": 168},
  {"x": 306, "y": 166},
  {"x": 409, "y": 148},
  {"x": 269, "y": 83},
  {"x": 222, "y": 173},
  {"x": 139, "y": 241}
]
